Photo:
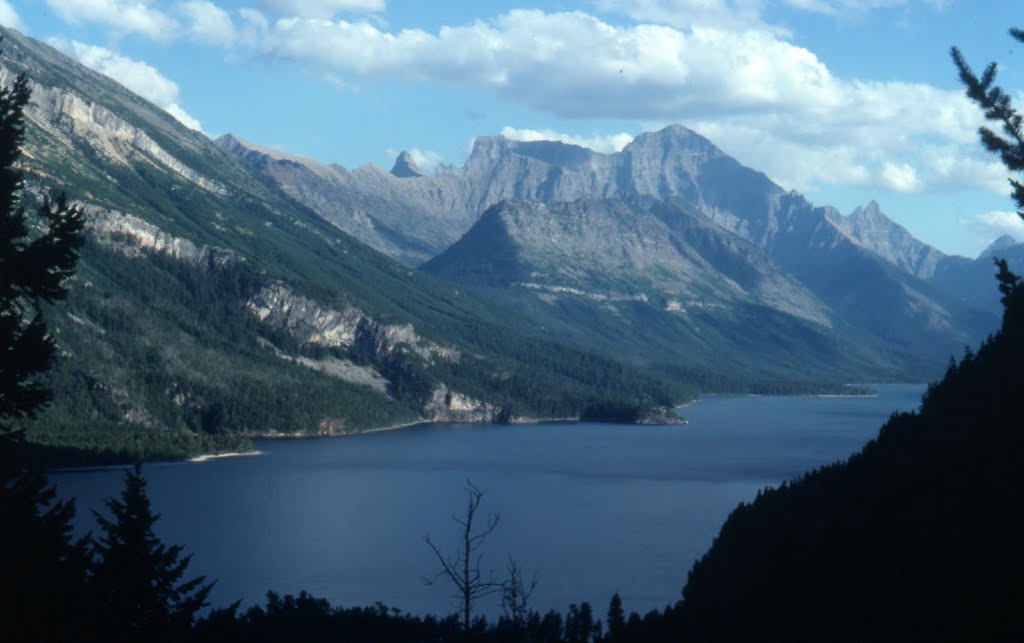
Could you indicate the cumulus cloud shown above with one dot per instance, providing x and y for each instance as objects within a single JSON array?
[
  {"x": 709, "y": 64},
  {"x": 207, "y": 22},
  {"x": 687, "y": 13},
  {"x": 996, "y": 223},
  {"x": 137, "y": 76},
  {"x": 772, "y": 104},
  {"x": 606, "y": 144},
  {"x": 320, "y": 8},
  {"x": 8, "y": 16},
  {"x": 900, "y": 177},
  {"x": 839, "y": 7},
  {"x": 129, "y": 16}
]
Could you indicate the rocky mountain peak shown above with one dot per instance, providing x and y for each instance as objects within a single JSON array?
[
  {"x": 997, "y": 246},
  {"x": 672, "y": 139},
  {"x": 405, "y": 167},
  {"x": 870, "y": 211}
]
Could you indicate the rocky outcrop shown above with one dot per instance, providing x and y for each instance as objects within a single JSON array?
[
  {"x": 446, "y": 405},
  {"x": 405, "y": 167},
  {"x": 133, "y": 237},
  {"x": 74, "y": 120},
  {"x": 313, "y": 323}
]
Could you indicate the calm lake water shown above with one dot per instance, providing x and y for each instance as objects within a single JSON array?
[{"x": 590, "y": 508}]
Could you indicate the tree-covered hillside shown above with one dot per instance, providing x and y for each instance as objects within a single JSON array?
[{"x": 209, "y": 306}]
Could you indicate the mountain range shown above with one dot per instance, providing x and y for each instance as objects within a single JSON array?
[
  {"x": 227, "y": 290},
  {"x": 683, "y": 229}
]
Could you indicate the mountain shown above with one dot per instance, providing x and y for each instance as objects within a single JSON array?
[
  {"x": 966, "y": 279},
  {"x": 999, "y": 247},
  {"x": 870, "y": 228},
  {"x": 658, "y": 281},
  {"x": 209, "y": 306},
  {"x": 400, "y": 213}
]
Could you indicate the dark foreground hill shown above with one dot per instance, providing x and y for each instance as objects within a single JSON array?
[{"x": 916, "y": 537}]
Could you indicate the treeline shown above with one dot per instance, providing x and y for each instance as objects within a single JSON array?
[{"x": 307, "y": 618}]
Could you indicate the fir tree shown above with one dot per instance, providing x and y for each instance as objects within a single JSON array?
[
  {"x": 42, "y": 571},
  {"x": 137, "y": 578},
  {"x": 35, "y": 262}
]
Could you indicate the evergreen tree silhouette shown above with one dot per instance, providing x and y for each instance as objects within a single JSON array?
[
  {"x": 33, "y": 270},
  {"x": 43, "y": 594},
  {"x": 137, "y": 578},
  {"x": 42, "y": 572}
]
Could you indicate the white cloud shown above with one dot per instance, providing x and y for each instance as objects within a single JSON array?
[
  {"x": 606, "y": 144},
  {"x": 320, "y": 8},
  {"x": 8, "y": 16},
  {"x": 208, "y": 23},
  {"x": 186, "y": 119},
  {"x": 1002, "y": 221},
  {"x": 426, "y": 160},
  {"x": 772, "y": 104},
  {"x": 989, "y": 225},
  {"x": 900, "y": 177},
  {"x": 137, "y": 76},
  {"x": 129, "y": 16},
  {"x": 687, "y": 13},
  {"x": 841, "y": 7}
]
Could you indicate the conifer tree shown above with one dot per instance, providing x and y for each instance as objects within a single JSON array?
[
  {"x": 42, "y": 571},
  {"x": 1008, "y": 145},
  {"x": 138, "y": 579},
  {"x": 36, "y": 259}
]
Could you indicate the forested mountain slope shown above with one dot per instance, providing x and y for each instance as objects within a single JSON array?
[{"x": 209, "y": 306}]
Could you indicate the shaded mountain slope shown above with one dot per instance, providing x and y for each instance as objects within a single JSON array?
[
  {"x": 960, "y": 276},
  {"x": 658, "y": 281}
]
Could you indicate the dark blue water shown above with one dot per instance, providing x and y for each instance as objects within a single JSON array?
[{"x": 591, "y": 508}]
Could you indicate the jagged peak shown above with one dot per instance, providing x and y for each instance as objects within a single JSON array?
[{"x": 405, "y": 167}]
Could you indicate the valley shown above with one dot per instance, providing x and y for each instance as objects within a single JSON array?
[{"x": 228, "y": 291}]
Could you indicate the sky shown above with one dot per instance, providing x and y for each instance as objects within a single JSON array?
[{"x": 845, "y": 101}]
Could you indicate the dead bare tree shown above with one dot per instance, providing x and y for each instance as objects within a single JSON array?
[
  {"x": 462, "y": 568},
  {"x": 515, "y": 594}
]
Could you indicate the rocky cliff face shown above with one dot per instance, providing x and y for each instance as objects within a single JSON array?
[
  {"x": 313, "y": 323},
  {"x": 133, "y": 237}
]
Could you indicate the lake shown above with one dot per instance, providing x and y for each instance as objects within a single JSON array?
[{"x": 590, "y": 508}]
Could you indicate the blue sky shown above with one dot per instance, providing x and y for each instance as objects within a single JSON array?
[{"x": 843, "y": 100}]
